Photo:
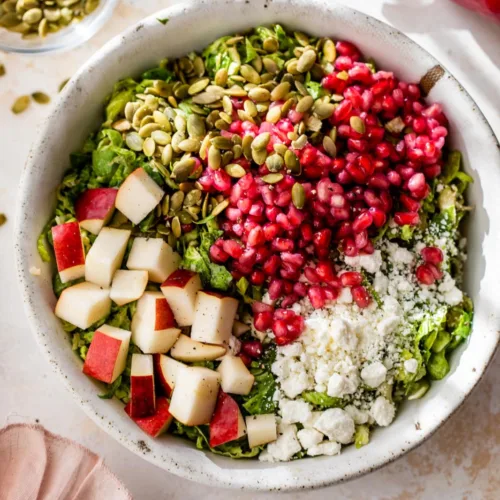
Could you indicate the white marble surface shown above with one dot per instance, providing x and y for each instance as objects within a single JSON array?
[{"x": 462, "y": 460}]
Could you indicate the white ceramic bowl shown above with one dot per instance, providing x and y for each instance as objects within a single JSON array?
[{"x": 192, "y": 26}]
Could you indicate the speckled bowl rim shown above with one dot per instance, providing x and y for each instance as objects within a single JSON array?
[{"x": 192, "y": 466}]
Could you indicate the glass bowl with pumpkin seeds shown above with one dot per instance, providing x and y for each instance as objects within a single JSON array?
[{"x": 37, "y": 26}]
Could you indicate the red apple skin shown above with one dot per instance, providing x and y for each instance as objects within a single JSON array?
[
  {"x": 68, "y": 245},
  {"x": 101, "y": 357},
  {"x": 215, "y": 294},
  {"x": 224, "y": 423},
  {"x": 142, "y": 396},
  {"x": 164, "y": 316},
  {"x": 179, "y": 278},
  {"x": 157, "y": 423},
  {"x": 95, "y": 204},
  {"x": 162, "y": 382}
]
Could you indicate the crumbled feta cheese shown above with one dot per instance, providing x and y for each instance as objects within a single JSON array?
[
  {"x": 388, "y": 325},
  {"x": 293, "y": 412},
  {"x": 309, "y": 438},
  {"x": 380, "y": 283},
  {"x": 341, "y": 385},
  {"x": 337, "y": 425},
  {"x": 453, "y": 297},
  {"x": 345, "y": 296},
  {"x": 284, "y": 448},
  {"x": 359, "y": 416},
  {"x": 292, "y": 350},
  {"x": 369, "y": 262},
  {"x": 383, "y": 411},
  {"x": 343, "y": 335},
  {"x": 374, "y": 374},
  {"x": 329, "y": 448},
  {"x": 411, "y": 365},
  {"x": 309, "y": 424}
]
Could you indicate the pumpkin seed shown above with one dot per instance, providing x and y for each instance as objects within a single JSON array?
[
  {"x": 274, "y": 114},
  {"x": 221, "y": 77},
  {"x": 270, "y": 66},
  {"x": 165, "y": 205},
  {"x": 329, "y": 146},
  {"x": 32, "y": 16},
  {"x": 258, "y": 94},
  {"x": 206, "y": 98},
  {"x": 235, "y": 170},
  {"x": 149, "y": 147},
  {"x": 313, "y": 123},
  {"x": 237, "y": 151},
  {"x": 222, "y": 142},
  {"x": 236, "y": 91},
  {"x": 221, "y": 125},
  {"x": 21, "y": 104},
  {"x": 357, "y": 124},
  {"x": 172, "y": 240},
  {"x": 196, "y": 126},
  {"x": 343, "y": 75},
  {"x": 247, "y": 146},
  {"x": 250, "y": 74},
  {"x": 261, "y": 141},
  {"x": 160, "y": 137},
  {"x": 250, "y": 108},
  {"x": 177, "y": 138},
  {"x": 183, "y": 169},
  {"x": 192, "y": 198},
  {"x": 205, "y": 144},
  {"x": 329, "y": 51},
  {"x": 198, "y": 86},
  {"x": 148, "y": 129},
  {"x": 43, "y": 28},
  {"x": 189, "y": 145},
  {"x": 163, "y": 230},
  {"x": 186, "y": 187},
  {"x": 176, "y": 201},
  {"x": 259, "y": 156},
  {"x": 302, "y": 38},
  {"x": 40, "y": 97},
  {"x": 298, "y": 195},
  {"x": 176, "y": 227},
  {"x": 272, "y": 178},
  {"x": 299, "y": 143},
  {"x": 274, "y": 163},
  {"x": 395, "y": 126},
  {"x": 134, "y": 141},
  {"x": 185, "y": 217},
  {"x": 280, "y": 91},
  {"x": 270, "y": 45},
  {"x": 227, "y": 158},
  {"x": 333, "y": 134},
  {"x": 166, "y": 155},
  {"x": 281, "y": 149},
  {"x": 305, "y": 104},
  {"x": 214, "y": 158},
  {"x": 323, "y": 110},
  {"x": 306, "y": 61},
  {"x": 292, "y": 162},
  {"x": 220, "y": 208},
  {"x": 121, "y": 125}
]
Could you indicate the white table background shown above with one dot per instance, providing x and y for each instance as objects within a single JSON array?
[{"x": 462, "y": 460}]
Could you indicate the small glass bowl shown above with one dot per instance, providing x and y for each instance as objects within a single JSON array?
[{"x": 66, "y": 38}]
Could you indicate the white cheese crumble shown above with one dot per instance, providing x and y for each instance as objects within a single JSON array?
[
  {"x": 411, "y": 365},
  {"x": 329, "y": 448},
  {"x": 337, "y": 425},
  {"x": 383, "y": 411},
  {"x": 284, "y": 448},
  {"x": 373, "y": 375},
  {"x": 309, "y": 438}
]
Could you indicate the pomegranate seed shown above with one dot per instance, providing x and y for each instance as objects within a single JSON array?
[
  {"x": 256, "y": 237},
  {"x": 284, "y": 314},
  {"x": 321, "y": 239},
  {"x": 378, "y": 215},
  {"x": 432, "y": 255},
  {"x": 280, "y": 329},
  {"x": 248, "y": 257},
  {"x": 425, "y": 275},
  {"x": 218, "y": 255},
  {"x": 271, "y": 231},
  {"x": 221, "y": 180},
  {"x": 409, "y": 203},
  {"x": 362, "y": 222},
  {"x": 258, "y": 307},
  {"x": 349, "y": 247},
  {"x": 272, "y": 213},
  {"x": 330, "y": 293},
  {"x": 324, "y": 271},
  {"x": 300, "y": 289},
  {"x": 257, "y": 277},
  {"x": 351, "y": 278},
  {"x": 311, "y": 275},
  {"x": 416, "y": 182},
  {"x": 289, "y": 300},
  {"x": 262, "y": 254},
  {"x": 361, "y": 296},
  {"x": 406, "y": 218},
  {"x": 288, "y": 286},
  {"x": 272, "y": 265},
  {"x": 316, "y": 296},
  {"x": 253, "y": 348},
  {"x": 437, "y": 273},
  {"x": 295, "y": 259},
  {"x": 247, "y": 360},
  {"x": 232, "y": 248},
  {"x": 275, "y": 289},
  {"x": 282, "y": 245}
]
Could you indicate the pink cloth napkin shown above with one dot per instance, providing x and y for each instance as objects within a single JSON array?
[{"x": 38, "y": 465}]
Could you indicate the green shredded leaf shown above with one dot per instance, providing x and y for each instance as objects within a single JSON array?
[
  {"x": 322, "y": 401},
  {"x": 361, "y": 436},
  {"x": 162, "y": 21}
]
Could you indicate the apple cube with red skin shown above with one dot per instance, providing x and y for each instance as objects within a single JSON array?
[
  {"x": 155, "y": 256},
  {"x": 107, "y": 354},
  {"x": 128, "y": 286},
  {"x": 213, "y": 318},
  {"x": 195, "y": 394},
  {"x": 142, "y": 386},
  {"x": 138, "y": 196},
  {"x": 180, "y": 289},
  {"x": 227, "y": 423},
  {"x": 166, "y": 370},
  {"x": 68, "y": 248},
  {"x": 261, "y": 429},
  {"x": 105, "y": 255},
  {"x": 154, "y": 329},
  {"x": 83, "y": 304},
  {"x": 95, "y": 207},
  {"x": 191, "y": 351},
  {"x": 157, "y": 423},
  {"x": 235, "y": 376}
]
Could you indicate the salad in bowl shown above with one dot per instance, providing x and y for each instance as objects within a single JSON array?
[{"x": 259, "y": 249}]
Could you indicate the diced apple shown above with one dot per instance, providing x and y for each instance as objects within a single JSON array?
[
  {"x": 94, "y": 208},
  {"x": 189, "y": 350},
  {"x": 107, "y": 354},
  {"x": 153, "y": 325},
  {"x": 68, "y": 247},
  {"x": 83, "y": 304},
  {"x": 227, "y": 423},
  {"x": 235, "y": 377},
  {"x": 106, "y": 255},
  {"x": 138, "y": 196},
  {"x": 166, "y": 370},
  {"x": 180, "y": 289},
  {"x": 261, "y": 429},
  {"x": 128, "y": 286},
  {"x": 195, "y": 394},
  {"x": 213, "y": 318},
  {"x": 142, "y": 386},
  {"x": 240, "y": 328},
  {"x": 156, "y": 424},
  {"x": 154, "y": 256}
]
